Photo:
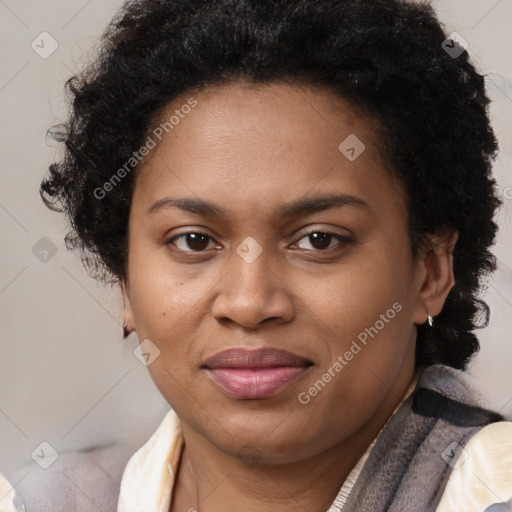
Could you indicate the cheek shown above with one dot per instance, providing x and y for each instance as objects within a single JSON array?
[
  {"x": 161, "y": 304},
  {"x": 365, "y": 311},
  {"x": 163, "y": 312},
  {"x": 161, "y": 293},
  {"x": 353, "y": 298}
]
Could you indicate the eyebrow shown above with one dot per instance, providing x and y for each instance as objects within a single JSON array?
[{"x": 301, "y": 206}]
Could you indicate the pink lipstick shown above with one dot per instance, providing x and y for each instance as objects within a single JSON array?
[{"x": 256, "y": 373}]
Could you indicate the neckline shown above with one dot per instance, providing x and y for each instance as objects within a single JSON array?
[
  {"x": 348, "y": 484},
  {"x": 149, "y": 478}
]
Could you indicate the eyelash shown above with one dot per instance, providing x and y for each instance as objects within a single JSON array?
[{"x": 344, "y": 240}]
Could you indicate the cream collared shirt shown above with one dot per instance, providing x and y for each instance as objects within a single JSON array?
[{"x": 484, "y": 479}]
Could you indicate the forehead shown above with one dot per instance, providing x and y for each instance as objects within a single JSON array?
[
  {"x": 291, "y": 111},
  {"x": 249, "y": 143}
]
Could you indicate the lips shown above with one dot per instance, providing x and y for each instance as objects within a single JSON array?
[{"x": 255, "y": 374}]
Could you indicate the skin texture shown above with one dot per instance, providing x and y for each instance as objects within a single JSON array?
[{"x": 249, "y": 150}]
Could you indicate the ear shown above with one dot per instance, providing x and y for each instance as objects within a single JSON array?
[
  {"x": 436, "y": 275},
  {"x": 127, "y": 313}
]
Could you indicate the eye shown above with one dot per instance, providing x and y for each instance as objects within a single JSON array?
[
  {"x": 321, "y": 240},
  {"x": 196, "y": 241}
]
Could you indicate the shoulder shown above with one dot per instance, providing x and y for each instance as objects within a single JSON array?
[
  {"x": 76, "y": 480},
  {"x": 482, "y": 473}
]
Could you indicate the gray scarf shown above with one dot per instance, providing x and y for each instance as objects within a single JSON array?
[{"x": 409, "y": 466}]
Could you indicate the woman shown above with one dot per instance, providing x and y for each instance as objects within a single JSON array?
[{"x": 296, "y": 199}]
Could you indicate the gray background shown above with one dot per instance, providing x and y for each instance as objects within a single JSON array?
[{"x": 66, "y": 376}]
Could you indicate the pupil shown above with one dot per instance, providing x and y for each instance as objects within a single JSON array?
[
  {"x": 194, "y": 241},
  {"x": 322, "y": 239}
]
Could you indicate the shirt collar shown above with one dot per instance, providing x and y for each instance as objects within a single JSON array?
[{"x": 149, "y": 476}]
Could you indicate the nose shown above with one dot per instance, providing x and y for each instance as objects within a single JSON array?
[{"x": 252, "y": 293}]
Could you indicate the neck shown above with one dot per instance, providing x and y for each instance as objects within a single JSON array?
[{"x": 210, "y": 480}]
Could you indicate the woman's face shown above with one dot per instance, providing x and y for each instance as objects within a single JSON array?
[{"x": 300, "y": 246}]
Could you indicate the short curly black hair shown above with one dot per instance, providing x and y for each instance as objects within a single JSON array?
[{"x": 386, "y": 57}]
